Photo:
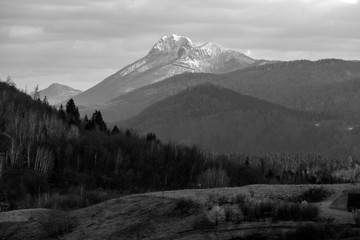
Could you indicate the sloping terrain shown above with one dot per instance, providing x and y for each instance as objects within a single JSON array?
[
  {"x": 221, "y": 120},
  {"x": 57, "y": 93},
  {"x": 329, "y": 86},
  {"x": 171, "y": 55},
  {"x": 158, "y": 216}
]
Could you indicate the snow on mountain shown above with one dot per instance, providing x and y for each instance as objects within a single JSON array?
[
  {"x": 171, "y": 55},
  {"x": 57, "y": 93}
]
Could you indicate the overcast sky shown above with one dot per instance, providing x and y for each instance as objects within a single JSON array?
[{"x": 80, "y": 42}]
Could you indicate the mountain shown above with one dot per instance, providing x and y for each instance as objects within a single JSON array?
[
  {"x": 327, "y": 86},
  {"x": 222, "y": 120},
  {"x": 171, "y": 55},
  {"x": 57, "y": 93}
]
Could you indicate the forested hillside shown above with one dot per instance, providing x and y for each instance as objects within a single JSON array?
[
  {"x": 222, "y": 120},
  {"x": 328, "y": 86},
  {"x": 50, "y": 152}
]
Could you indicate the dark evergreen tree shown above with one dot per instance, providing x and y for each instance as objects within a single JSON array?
[
  {"x": 45, "y": 101},
  {"x": 150, "y": 137},
  {"x": 128, "y": 133},
  {"x": 84, "y": 122},
  {"x": 115, "y": 130},
  {"x": 96, "y": 122},
  {"x": 61, "y": 113},
  {"x": 72, "y": 112}
]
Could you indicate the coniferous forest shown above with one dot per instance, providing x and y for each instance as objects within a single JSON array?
[{"x": 47, "y": 152}]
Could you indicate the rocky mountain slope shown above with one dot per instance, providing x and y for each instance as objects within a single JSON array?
[
  {"x": 171, "y": 55},
  {"x": 57, "y": 93}
]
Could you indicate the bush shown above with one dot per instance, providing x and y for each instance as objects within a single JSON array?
[
  {"x": 257, "y": 211},
  {"x": 313, "y": 195},
  {"x": 356, "y": 216},
  {"x": 264, "y": 209},
  {"x": 248, "y": 211},
  {"x": 187, "y": 206},
  {"x": 221, "y": 199},
  {"x": 96, "y": 196},
  {"x": 239, "y": 199},
  {"x": 296, "y": 212},
  {"x": 229, "y": 213},
  {"x": 59, "y": 224},
  {"x": 279, "y": 211},
  {"x": 75, "y": 199},
  {"x": 214, "y": 199},
  {"x": 65, "y": 202}
]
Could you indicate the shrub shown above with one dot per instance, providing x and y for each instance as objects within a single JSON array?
[
  {"x": 96, "y": 196},
  {"x": 296, "y": 212},
  {"x": 248, "y": 211},
  {"x": 313, "y": 195},
  {"x": 283, "y": 211},
  {"x": 222, "y": 199},
  {"x": 356, "y": 216},
  {"x": 59, "y": 224},
  {"x": 216, "y": 214},
  {"x": 264, "y": 209},
  {"x": 65, "y": 202},
  {"x": 256, "y": 211},
  {"x": 229, "y": 213},
  {"x": 239, "y": 199},
  {"x": 214, "y": 199},
  {"x": 187, "y": 206}
]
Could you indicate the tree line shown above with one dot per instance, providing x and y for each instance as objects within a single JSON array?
[{"x": 53, "y": 149}]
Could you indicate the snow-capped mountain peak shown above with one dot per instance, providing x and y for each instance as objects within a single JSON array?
[
  {"x": 211, "y": 49},
  {"x": 171, "y": 43},
  {"x": 169, "y": 56}
]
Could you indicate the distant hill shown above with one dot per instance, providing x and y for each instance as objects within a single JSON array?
[
  {"x": 57, "y": 93},
  {"x": 171, "y": 55},
  {"x": 225, "y": 121},
  {"x": 328, "y": 86}
]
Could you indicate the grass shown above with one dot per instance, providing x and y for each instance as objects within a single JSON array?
[
  {"x": 312, "y": 195},
  {"x": 187, "y": 206},
  {"x": 279, "y": 211},
  {"x": 295, "y": 211},
  {"x": 239, "y": 199},
  {"x": 356, "y": 216},
  {"x": 71, "y": 200},
  {"x": 58, "y": 224}
]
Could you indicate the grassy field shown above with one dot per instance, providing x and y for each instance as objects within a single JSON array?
[{"x": 165, "y": 215}]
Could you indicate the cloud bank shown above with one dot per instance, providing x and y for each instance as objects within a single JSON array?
[{"x": 80, "y": 42}]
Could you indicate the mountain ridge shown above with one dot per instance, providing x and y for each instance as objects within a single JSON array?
[
  {"x": 302, "y": 84},
  {"x": 57, "y": 93},
  {"x": 219, "y": 119},
  {"x": 171, "y": 55}
]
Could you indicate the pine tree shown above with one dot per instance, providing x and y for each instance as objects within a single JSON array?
[
  {"x": 98, "y": 121},
  {"x": 61, "y": 113},
  {"x": 45, "y": 101},
  {"x": 72, "y": 112},
  {"x": 36, "y": 93},
  {"x": 115, "y": 130}
]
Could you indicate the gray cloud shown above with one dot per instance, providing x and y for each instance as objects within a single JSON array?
[{"x": 80, "y": 42}]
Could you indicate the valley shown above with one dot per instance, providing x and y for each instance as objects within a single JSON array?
[{"x": 191, "y": 141}]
